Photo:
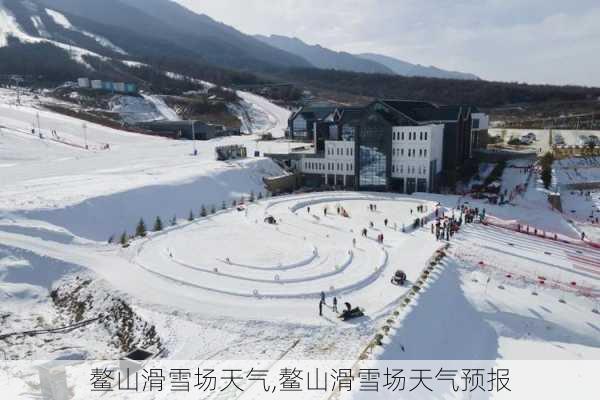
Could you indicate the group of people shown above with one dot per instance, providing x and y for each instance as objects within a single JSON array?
[
  {"x": 334, "y": 306},
  {"x": 471, "y": 214},
  {"x": 445, "y": 227},
  {"x": 422, "y": 208},
  {"x": 373, "y": 207},
  {"x": 342, "y": 211}
]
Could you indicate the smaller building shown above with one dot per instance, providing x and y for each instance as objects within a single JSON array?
[
  {"x": 83, "y": 83},
  {"x": 119, "y": 87},
  {"x": 190, "y": 130},
  {"x": 304, "y": 122},
  {"x": 97, "y": 84},
  {"x": 130, "y": 88},
  {"x": 481, "y": 124},
  {"x": 231, "y": 152}
]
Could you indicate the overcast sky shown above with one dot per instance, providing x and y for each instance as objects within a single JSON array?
[{"x": 538, "y": 41}]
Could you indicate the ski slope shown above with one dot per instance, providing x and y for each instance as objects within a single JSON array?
[{"x": 32, "y": 166}]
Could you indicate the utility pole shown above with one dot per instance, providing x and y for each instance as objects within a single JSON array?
[
  {"x": 17, "y": 80},
  {"x": 194, "y": 138},
  {"x": 85, "y": 135},
  {"x": 37, "y": 115}
]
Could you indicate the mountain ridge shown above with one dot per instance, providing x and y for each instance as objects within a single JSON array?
[
  {"x": 405, "y": 68},
  {"x": 324, "y": 58}
]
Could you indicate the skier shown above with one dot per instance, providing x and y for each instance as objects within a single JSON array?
[
  {"x": 582, "y": 235},
  {"x": 335, "y": 309},
  {"x": 385, "y": 222},
  {"x": 353, "y": 242},
  {"x": 323, "y": 297},
  {"x": 321, "y": 308},
  {"x": 308, "y": 210}
]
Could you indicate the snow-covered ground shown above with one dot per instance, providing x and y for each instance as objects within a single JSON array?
[
  {"x": 580, "y": 203},
  {"x": 230, "y": 286},
  {"x": 271, "y": 282},
  {"x": 164, "y": 110},
  {"x": 259, "y": 115},
  {"x": 134, "y": 109}
]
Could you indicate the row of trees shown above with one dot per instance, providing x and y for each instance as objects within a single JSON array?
[
  {"x": 142, "y": 231},
  {"x": 481, "y": 93}
]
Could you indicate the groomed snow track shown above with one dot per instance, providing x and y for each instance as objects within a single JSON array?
[{"x": 308, "y": 256}]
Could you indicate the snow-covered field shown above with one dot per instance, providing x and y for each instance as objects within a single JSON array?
[{"x": 578, "y": 180}]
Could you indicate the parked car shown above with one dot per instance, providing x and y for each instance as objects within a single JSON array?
[
  {"x": 594, "y": 140},
  {"x": 583, "y": 140},
  {"x": 526, "y": 140},
  {"x": 531, "y": 136},
  {"x": 558, "y": 139}
]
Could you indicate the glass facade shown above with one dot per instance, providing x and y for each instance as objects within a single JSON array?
[{"x": 374, "y": 152}]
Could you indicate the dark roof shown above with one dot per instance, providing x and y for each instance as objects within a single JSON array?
[
  {"x": 413, "y": 109},
  {"x": 314, "y": 113},
  {"x": 349, "y": 113},
  {"x": 424, "y": 112}
]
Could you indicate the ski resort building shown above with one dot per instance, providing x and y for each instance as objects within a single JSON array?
[
  {"x": 197, "y": 130},
  {"x": 389, "y": 145}
]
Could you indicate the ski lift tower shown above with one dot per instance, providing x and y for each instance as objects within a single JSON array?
[{"x": 17, "y": 79}]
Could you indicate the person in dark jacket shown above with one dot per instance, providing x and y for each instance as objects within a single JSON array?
[
  {"x": 335, "y": 309},
  {"x": 321, "y": 308}
]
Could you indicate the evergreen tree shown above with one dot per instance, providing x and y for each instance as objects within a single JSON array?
[
  {"x": 111, "y": 239},
  {"x": 260, "y": 196},
  {"x": 224, "y": 206},
  {"x": 191, "y": 216},
  {"x": 158, "y": 225},
  {"x": 203, "y": 211},
  {"x": 547, "y": 177},
  {"x": 213, "y": 209},
  {"x": 251, "y": 199},
  {"x": 140, "y": 230},
  {"x": 234, "y": 203},
  {"x": 174, "y": 220},
  {"x": 124, "y": 240},
  {"x": 242, "y": 200}
]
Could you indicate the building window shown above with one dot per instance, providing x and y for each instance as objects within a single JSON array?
[
  {"x": 425, "y": 135},
  {"x": 373, "y": 155}
]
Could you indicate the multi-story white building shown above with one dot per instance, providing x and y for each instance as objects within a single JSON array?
[
  {"x": 416, "y": 160},
  {"x": 402, "y": 146},
  {"x": 417, "y": 156}
]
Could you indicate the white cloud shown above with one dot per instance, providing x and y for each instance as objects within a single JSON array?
[{"x": 538, "y": 41}]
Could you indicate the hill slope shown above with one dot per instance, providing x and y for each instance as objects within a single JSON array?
[{"x": 149, "y": 28}]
